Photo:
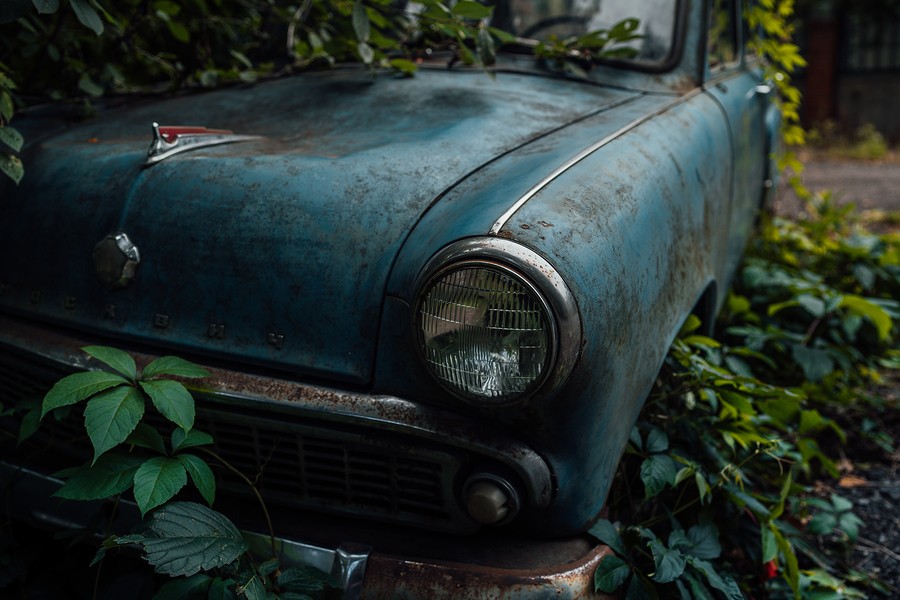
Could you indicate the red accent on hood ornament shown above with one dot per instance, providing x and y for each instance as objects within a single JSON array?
[
  {"x": 170, "y": 132},
  {"x": 175, "y": 139}
]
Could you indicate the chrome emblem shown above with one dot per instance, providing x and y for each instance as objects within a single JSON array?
[
  {"x": 169, "y": 140},
  {"x": 115, "y": 260}
]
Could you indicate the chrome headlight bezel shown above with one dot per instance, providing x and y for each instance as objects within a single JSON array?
[{"x": 534, "y": 274}]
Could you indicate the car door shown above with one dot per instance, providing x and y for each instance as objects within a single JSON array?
[{"x": 733, "y": 82}]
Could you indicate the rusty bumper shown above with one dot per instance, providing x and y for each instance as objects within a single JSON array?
[{"x": 503, "y": 567}]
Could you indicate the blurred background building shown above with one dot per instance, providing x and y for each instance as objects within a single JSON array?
[{"x": 853, "y": 75}]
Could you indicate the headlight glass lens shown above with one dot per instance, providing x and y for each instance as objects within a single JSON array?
[{"x": 485, "y": 333}]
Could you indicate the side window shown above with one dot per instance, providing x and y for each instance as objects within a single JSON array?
[{"x": 723, "y": 41}]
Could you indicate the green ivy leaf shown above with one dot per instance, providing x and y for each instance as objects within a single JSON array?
[
  {"x": 90, "y": 87},
  {"x": 145, "y": 436},
  {"x": 182, "y": 538},
  {"x": 611, "y": 573},
  {"x": 175, "y": 366},
  {"x": 223, "y": 589},
  {"x": 849, "y": 523},
  {"x": 640, "y": 589},
  {"x": 635, "y": 438},
  {"x": 31, "y": 420},
  {"x": 698, "y": 590},
  {"x": 469, "y": 9},
  {"x": 669, "y": 562},
  {"x": 822, "y": 523},
  {"x": 120, "y": 361},
  {"x": 704, "y": 540},
  {"x": 607, "y": 533},
  {"x": 366, "y": 53},
  {"x": 871, "y": 311},
  {"x": 703, "y": 489},
  {"x": 111, "y": 416},
  {"x": 407, "y": 67},
  {"x": 657, "y": 441},
  {"x": 769, "y": 545},
  {"x": 268, "y": 567},
  {"x": 253, "y": 589},
  {"x": 157, "y": 481},
  {"x": 171, "y": 399},
  {"x": 305, "y": 580},
  {"x": 11, "y": 138},
  {"x": 813, "y": 305},
  {"x": 656, "y": 472},
  {"x": 484, "y": 42},
  {"x": 723, "y": 583},
  {"x": 75, "y": 388},
  {"x": 6, "y": 102},
  {"x": 87, "y": 15},
  {"x": 182, "y": 440},
  {"x": 179, "y": 31},
  {"x": 46, "y": 7},
  {"x": 201, "y": 475},
  {"x": 361, "y": 26},
  {"x": 865, "y": 276},
  {"x": 791, "y": 567},
  {"x": 110, "y": 475},
  {"x": 504, "y": 37},
  {"x": 815, "y": 363}
]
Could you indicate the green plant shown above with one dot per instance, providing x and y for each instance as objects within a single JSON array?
[
  {"x": 116, "y": 403},
  {"x": 865, "y": 143},
  {"x": 575, "y": 54},
  {"x": 10, "y": 140},
  {"x": 178, "y": 538},
  {"x": 714, "y": 496},
  {"x": 134, "y": 46},
  {"x": 771, "y": 26}
]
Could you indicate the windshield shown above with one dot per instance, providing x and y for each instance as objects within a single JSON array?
[{"x": 541, "y": 19}]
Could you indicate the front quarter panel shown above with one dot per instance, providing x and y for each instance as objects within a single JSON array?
[{"x": 636, "y": 228}]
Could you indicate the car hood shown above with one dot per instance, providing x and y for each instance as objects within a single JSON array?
[{"x": 274, "y": 250}]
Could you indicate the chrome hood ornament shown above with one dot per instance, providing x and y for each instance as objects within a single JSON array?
[
  {"x": 169, "y": 140},
  {"x": 116, "y": 260}
]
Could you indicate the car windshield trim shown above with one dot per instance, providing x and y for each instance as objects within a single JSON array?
[{"x": 666, "y": 62}]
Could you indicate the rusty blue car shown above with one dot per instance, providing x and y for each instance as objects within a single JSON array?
[{"x": 432, "y": 306}]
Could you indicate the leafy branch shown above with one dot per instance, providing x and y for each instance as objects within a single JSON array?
[
  {"x": 772, "y": 25},
  {"x": 732, "y": 435}
]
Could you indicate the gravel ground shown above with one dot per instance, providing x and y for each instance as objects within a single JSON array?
[
  {"x": 870, "y": 476},
  {"x": 871, "y": 480},
  {"x": 868, "y": 184}
]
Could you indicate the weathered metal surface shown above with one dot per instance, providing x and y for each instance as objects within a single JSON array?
[
  {"x": 286, "y": 243},
  {"x": 403, "y": 578}
]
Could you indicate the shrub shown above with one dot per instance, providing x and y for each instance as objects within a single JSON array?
[{"x": 715, "y": 489}]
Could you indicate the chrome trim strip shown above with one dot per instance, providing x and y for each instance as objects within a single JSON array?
[
  {"x": 161, "y": 149},
  {"x": 506, "y": 216},
  {"x": 539, "y": 273},
  {"x": 280, "y": 396}
]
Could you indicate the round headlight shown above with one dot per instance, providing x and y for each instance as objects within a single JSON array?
[{"x": 486, "y": 333}]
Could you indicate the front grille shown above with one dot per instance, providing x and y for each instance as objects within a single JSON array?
[
  {"x": 337, "y": 469},
  {"x": 295, "y": 462}
]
